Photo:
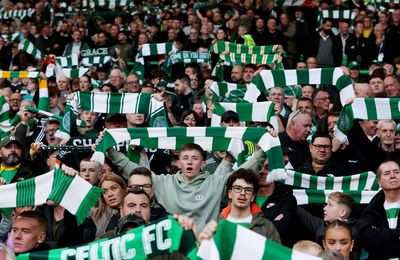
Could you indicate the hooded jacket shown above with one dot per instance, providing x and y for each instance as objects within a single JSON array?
[{"x": 258, "y": 224}]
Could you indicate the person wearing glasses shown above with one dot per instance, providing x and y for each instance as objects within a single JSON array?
[
  {"x": 321, "y": 162},
  {"x": 321, "y": 104},
  {"x": 242, "y": 187}
]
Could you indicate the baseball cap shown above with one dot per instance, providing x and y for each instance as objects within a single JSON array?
[
  {"x": 8, "y": 140},
  {"x": 353, "y": 64},
  {"x": 130, "y": 220},
  {"x": 230, "y": 115}
]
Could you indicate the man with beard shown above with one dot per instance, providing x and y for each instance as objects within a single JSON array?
[
  {"x": 11, "y": 169},
  {"x": 321, "y": 45}
]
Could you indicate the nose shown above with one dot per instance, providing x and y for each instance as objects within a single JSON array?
[
  {"x": 138, "y": 210},
  {"x": 337, "y": 247},
  {"x": 17, "y": 235}
]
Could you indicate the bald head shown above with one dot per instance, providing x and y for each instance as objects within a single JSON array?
[{"x": 363, "y": 90}]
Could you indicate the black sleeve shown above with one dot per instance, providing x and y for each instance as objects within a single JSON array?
[
  {"x": 288, "y": 210},
  {"x": 310, "y": 222}
]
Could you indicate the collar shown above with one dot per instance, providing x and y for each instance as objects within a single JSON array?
[
  {"x": 4, "y": 168},
  {"x": 253, "y": 209}
]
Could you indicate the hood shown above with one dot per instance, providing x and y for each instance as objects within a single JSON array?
[{"x": 253, "y": 209}]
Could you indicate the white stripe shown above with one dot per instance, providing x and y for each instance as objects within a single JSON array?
[
  {"x": 235, "y": 132},
  {"x": 248, "y": 243},
  {"x": 301, "y": 196},
  {"x": 289, "y": 178},
  {"x": 208, "y": 250},
  {"x": 355, "y": 179},
  {"x": 119, "y": 134},
  {"x": 45, "y": 183},
  {"x": 383, "y": 110},
  {"x": 157, "y": 131},
  {"x": 337, "y": 73},
  {"x": 215, "y": 120},
  {"x": 305, "y": 181},
  {"x": 260, "y": 111},
  {"x": 251, "y": 93},
  {"x": 100, "y": 102},
  {"x": 205, "y": 142},
  {"x": 346, "y": 93},
  {"x": 195, "y": 131},
  {"x": 337, "y": 184},
  {"x": 291, "y": 77},
  {"x": 359, "y": 108},
  {"x": 43, "y": 93},
  {"x": 75, "y": 194},
  {"x": 267, "y": 78},
  {"x": 167, "y": 143},
  {"x": 315, "y": 76},
  {"x": 321, "y": 183},
  {"x": 370, "y": 181},
  {"x": 235, "y": 147}
]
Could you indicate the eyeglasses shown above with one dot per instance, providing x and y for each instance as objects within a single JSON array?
[
  {"x": 238, "y": 189},
  {"x": 50, "y": 131},
  {"x": 145, "y": 187},
  {"x": 321, "y": 146}
]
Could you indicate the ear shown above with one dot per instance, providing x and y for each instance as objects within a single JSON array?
[
  {"x": 41, "y": 237},
  {"x": 352, "y": 244},
  {"x": 230, "y": 194},
  {"x": 324, "y": 244},
  {"x": 203, "y": 164},
  {"x": 179, "y": 164},
  {"x": 342, "y": 213},
  {"x": 253, "y": 197}
]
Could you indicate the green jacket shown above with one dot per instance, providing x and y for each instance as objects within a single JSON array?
[{"x": 200, "y": 198}]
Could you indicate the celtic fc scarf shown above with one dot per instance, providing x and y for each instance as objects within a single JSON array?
[
  {"x": 5, "y": 124},
  {"x": 366, "y": 109},
  {"x": 31, "y": 49},
  {"x": 68, "y": 62},
  {"x": 310, "y": 196},
  {"x": 95, "y": 60},
  {"x": 20, "y": 14},
  {"x": 121, "y": 103},
  {"x": 12, "y": 37},
  {"x": 109, "y": 4},
  {"x": 221, "y": 46},
  {"x": 74, "y": 194},
  {"x": 74, "y": 73},
  {"x": 19, "y": 74},
  {"x": 356, "y": 182},
  {"x": 155, "y": 239},
  {"x": 244, "y": 58},
  {"x": 150, "y": 49},
  {"x": 333, "y": 76},
  {"x": 336, "y": 14},
  {"x": 169, "y": 138},
  {"x": 220, "y": 89},
  {"x": 187, "y": 57},
  {"x": 233, "y": 241},
  {"x": 248, "y": 112}
]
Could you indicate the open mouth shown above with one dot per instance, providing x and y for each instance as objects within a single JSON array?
[{"x": 189, "y": 169}]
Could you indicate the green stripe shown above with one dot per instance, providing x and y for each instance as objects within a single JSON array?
[
  {"x": 275, "y": 158},
  {"x": 115, "y": 103},
  {"x": 273, "y": 250},
  {"x": 327, "y": 75},
  {"x": 315, "y": 196},
  {"x": 329, "y": 183},
  {"x": 60, "y": 185},
  {"x": 279, "y": 78},
  {"x": 303, "y": 76},
  {"x": 297, "y": 179},
  {"x": 26, "y": 193},
  {"x": 225, "y": 249},
  {"x": 362, "y": 182},
  {"x": 371, "y": 109},
  {"x": 392, "y": 213},
  {"x": 347, "y": 181},
  {"x": 394, "y": 108}
]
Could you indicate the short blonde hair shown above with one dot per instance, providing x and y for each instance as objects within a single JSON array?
[{"x": 308, "y": 247}]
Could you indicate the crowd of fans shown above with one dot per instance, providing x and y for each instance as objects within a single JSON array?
[{"x": 190, "y": 182}]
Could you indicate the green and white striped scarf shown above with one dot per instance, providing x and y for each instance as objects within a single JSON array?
[
  {"x": 233, "y": 241},
  {"x": 74, "y": 194},
  {"x": 19, "y": 74},
  {"x": 248, "y": 112},
  {"x": 336, "y": 14},
  {"x": 150, "y": 49},
  {"x": 12, "y": 37},
  {"x": 30, "y": 48},
  {"x": 20, "y": 14},
  {"x": 356, "y": 182},
  {"x": 5, "y": 124},
  {"x": 270, "y": 145},
  {"x": 121, "y": 103},
  {"x": 74, "y": 73},
  {"x": 333, "y": 76},
  {"x": 95, "y": 60},
  {"x": 68, "y": 62},
  {"x": 245, "y": 58},
  {"x": 310, "y": 196},
  {"x": 109, "y": 4},
  {"x": 44, "y": 113},
  {"x": 187, "y": 57},
  {"x": 392, "y": 213},
  {"x": 222, "y": 89},
  {"x": 144, "y": 242},
  {"x": 366, "y": 109},
  {"x": 221, "y": 46}
]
